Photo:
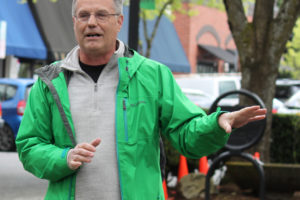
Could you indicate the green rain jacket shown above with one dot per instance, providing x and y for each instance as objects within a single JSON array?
[{"x": 148, "y": 102}]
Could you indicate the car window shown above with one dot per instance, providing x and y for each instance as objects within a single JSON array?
[
  {"x": 10, "y": 92},
  {"x": 7, "y": 92},
  {"x": 225, "y": 86}
]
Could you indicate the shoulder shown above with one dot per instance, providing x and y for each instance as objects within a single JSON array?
[
  {"x": 150, "y": 64},
  {"x": 49, "y": 71}
]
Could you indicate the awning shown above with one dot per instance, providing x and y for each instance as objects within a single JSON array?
[
  {"x": 23, "y": 38},
  {"x": 166, "y": 46},
  {"x": 55, "y": 23},
  {"x": 220, "y": 53}
]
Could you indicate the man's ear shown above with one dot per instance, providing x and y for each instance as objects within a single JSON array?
[{"x": 120, "y": 21}]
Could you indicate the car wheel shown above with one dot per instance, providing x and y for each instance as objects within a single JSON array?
[{"x": 7, "y": 139}]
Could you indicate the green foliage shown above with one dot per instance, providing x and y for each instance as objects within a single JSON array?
[
  {"x": 285, "y": 146},
  {"x": 165, "y": 7},
  {"x": 292, "y": 57}
]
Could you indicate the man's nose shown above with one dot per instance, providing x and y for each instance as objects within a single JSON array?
[{"x": 92, "y": 20}]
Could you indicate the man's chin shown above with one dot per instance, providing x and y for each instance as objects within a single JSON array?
[{"x": 93, "y": 48}]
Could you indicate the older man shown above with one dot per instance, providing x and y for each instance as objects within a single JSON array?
[{"x": 104, "y": 92}]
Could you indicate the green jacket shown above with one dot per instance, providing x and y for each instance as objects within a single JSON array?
[{"x": 148, "y": 102}]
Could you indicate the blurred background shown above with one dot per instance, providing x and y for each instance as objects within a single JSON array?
[{"x": 211, "y": 46}]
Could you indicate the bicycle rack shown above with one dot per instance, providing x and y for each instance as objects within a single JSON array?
[{"x": 240, "y": 139}]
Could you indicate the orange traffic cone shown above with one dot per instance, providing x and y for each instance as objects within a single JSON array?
[
  {"x": 183, "y": 168},
  {"x": 256, "y": 155},
  {"x": 165, "y": 189},
  {"x": 203, "y": 165}
]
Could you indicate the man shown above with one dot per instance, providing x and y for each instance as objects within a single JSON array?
[{"x": 72, "y": 108}]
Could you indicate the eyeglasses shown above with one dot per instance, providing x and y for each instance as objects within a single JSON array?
[{"x": 99, "y": 16}]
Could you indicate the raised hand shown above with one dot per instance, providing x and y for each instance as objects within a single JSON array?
[{"x": 239, "y": 118}]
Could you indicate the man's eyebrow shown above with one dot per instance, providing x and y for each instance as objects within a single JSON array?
[
  {"x": 83, "y": 11},
  {"x": 95, "y": 11}
]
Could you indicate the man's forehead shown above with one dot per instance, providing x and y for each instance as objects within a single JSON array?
[{"x": 95, "y": 5}]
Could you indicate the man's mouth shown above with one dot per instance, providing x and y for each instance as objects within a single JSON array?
[{"x": 93, "y": 35}]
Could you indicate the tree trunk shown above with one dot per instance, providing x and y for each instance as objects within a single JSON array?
[{"x": 260, "y": 44}]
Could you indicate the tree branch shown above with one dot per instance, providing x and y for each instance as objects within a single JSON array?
[
  {"x": 285, "y": 20},
  {"x": 150, "y": 39},
  {"x": 237, "y": 20},
  {"x": 262, "y": 18}
]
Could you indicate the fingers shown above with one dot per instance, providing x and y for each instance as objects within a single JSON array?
[
  {"x": 96, "y": 142},
  {"x": 82, "y": 153},
  {"x": 86, "y": 146},
  {"x": 74, "y": 164},
  {"x": 253, "y": 111},
  {"x": 256, "y": 118},
  {"x": 227, "y": 128}
]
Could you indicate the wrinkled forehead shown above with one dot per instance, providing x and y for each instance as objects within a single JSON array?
[{"x": 93, "y": 6}]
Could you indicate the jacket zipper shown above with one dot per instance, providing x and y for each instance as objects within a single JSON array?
[
  {"x": 96, "y": 87},
  {"x": 125, "y": 119},
  {"x": 95, "y": 96},
  {"x": 70, "y": 187}
]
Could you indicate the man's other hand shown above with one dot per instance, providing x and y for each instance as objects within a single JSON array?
[
  {"x": 239, "y": 118},
  {"x": 83, "y": 152}
]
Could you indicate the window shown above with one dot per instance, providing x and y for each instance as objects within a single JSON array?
[
  {"x": 225, "y": 86},
  {"x": 10, "y": 92},
  {"x": 7, "y": 92}
]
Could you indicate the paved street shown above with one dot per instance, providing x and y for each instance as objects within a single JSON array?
[{"x": 16, "y": 183}]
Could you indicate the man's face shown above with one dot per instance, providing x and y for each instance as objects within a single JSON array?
[{"x": 95, "y": 33}]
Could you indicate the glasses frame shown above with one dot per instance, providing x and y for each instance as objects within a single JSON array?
[{"x": 104, "y": 19}]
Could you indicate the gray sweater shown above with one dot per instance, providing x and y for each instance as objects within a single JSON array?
[{"x": 93, "y": 113}]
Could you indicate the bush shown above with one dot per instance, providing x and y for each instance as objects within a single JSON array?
[{"x": 285, "y": 144}]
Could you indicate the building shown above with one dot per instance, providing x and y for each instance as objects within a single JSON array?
[{"x": 207, "y": 40}]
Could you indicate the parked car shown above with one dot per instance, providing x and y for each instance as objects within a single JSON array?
[
  {"x": 285, "y": 88},
  {"x": 198, "y": 97},
  {"x": 13, "y": 97},
  {"x": 213, "y": 85}
]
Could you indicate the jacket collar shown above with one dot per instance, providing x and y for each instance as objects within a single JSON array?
[{"x": 128, "y": 66}]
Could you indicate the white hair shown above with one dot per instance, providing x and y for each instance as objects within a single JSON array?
[{"x": 118, "y": 6}]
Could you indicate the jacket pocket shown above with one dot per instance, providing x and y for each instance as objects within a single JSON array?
[{"x": 140, "y": 118}]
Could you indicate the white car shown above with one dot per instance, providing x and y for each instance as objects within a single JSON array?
[
  {"x": 198, "y": 97},
  {"x": 291, "y": 106},
  {"x": 213, "y": 85}
]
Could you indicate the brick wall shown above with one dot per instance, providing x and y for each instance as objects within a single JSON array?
[{"x": 189, "y": 27}]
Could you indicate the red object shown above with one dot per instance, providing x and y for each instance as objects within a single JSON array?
[
  {"x": 203, "y": 165},
  {"x": 165, "y": 189},
  {"x": 21, "y": 107},
  {"x": 183, "y": 168},
  {"x": 256, "y": 155}
]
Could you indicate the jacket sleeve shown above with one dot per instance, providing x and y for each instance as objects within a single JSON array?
[
  {"x": 35, "y": 142},
  {"x": 189, "y": 129}
]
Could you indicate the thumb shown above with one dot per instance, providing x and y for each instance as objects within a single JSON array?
[
  {"x": 227, "y": 127},
  {"x": 96, "y": 142}
]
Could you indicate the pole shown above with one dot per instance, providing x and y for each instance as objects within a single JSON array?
[{"x": 133, "y": 32}]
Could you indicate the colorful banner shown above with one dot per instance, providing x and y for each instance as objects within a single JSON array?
[
  {"x": 147, "y": 4},
  {"x": 3, "y": 26}
]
